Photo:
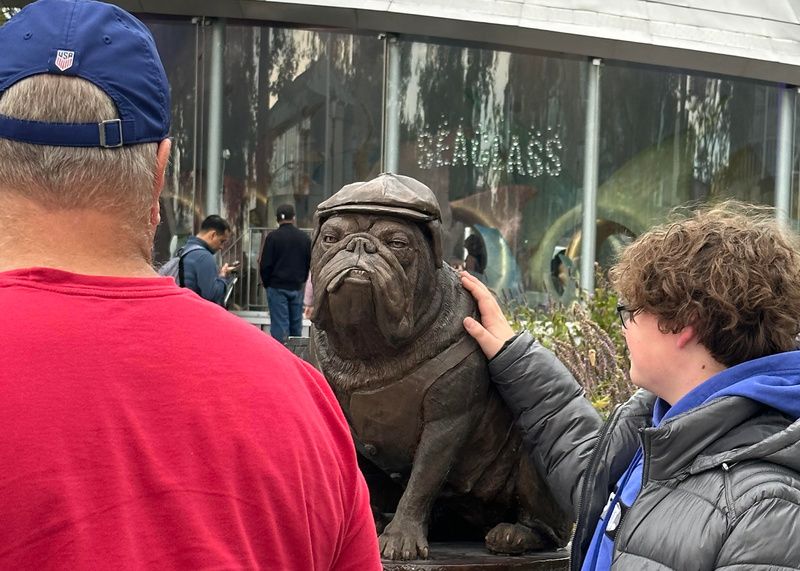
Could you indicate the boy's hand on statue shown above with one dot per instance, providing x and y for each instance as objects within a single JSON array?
[{"x": 494, "y": 330}]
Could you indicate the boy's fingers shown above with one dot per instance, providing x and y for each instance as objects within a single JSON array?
[
  {"x": 477, "y": 288},
  {"x": 492, "y": 316},
  {"x": 489, "y": 344},
  {"x": 473, "y": 327},
  {"x": 473, "y": 284}
]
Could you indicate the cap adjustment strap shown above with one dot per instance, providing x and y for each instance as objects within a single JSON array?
[
  {"x": 108, "y": 134},
  {"x": 115, "y": 136}
]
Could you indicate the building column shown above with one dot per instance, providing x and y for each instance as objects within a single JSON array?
[
  {"x": 590, "y": 160},
  {"x": 783, "y": 167},
  {"x": 214, "y": 135},
  {"x": 391, "y": 136}
]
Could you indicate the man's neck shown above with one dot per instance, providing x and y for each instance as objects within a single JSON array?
[
  {"x": 81, "y": 241},
  {"x": 204, "y": 239}
]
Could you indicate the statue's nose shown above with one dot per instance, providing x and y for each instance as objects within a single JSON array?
[{"x": 359, "y": 244}]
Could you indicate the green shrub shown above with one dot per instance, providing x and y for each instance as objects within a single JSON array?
[{"x": 586, "y": 335}]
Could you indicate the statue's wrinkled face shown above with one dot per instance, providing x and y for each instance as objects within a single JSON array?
[{"x": 371, "y": 273}]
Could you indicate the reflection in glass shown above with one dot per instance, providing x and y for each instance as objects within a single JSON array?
[
  {"x": 302, "y": 119},
  {"x": 670, "y": 138},
  {"x": 497, "y": 136},
  {"x": 181, "y": 45},
  {"x": 794, "y": 204}
]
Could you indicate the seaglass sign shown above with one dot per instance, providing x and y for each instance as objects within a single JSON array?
[{"x": 533, "y": 153}]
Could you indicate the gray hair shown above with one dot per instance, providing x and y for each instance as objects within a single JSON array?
[{"x": 117, "y": 181}]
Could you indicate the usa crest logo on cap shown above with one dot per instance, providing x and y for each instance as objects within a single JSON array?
[{"x": 64, "y": 59}]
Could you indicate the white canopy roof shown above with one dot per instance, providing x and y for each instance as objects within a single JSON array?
[{"x": 749, "y": 38}]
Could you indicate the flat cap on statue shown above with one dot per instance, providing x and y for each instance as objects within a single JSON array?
[{"x": 387, "y": 194}]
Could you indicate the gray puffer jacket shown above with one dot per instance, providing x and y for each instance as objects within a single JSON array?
[{"x": 720, "y": 485}]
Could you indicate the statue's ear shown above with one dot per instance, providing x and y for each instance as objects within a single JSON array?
[
  {"x": 317, "y": 225},
  {"x": 435, "y": 229}
]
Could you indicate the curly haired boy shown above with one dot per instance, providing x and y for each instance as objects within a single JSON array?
[{"x": 701, "y": 468}]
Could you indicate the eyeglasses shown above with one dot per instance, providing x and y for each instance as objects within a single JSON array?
[{"x": 625, "y": 315}]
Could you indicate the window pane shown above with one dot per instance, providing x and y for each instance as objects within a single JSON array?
[
  {"x": 180, "y": 45},
  {"x": 794, "y": 205},
  {"x": 669, "y": 138},
  {"x": 302, "y": 118},
  {"x": 498, "y": 136}
]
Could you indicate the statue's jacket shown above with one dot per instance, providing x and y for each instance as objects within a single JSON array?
[
  {"x": 720, "y": 484},
  {"x": 387, "y": 426}
]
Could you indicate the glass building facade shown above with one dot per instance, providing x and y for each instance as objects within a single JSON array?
[{"x": 499, "y": 134}]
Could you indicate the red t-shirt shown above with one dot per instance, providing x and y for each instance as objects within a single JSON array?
[{"x": 143, "y": 427}]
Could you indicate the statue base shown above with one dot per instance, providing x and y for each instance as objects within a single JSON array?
[{"x": 475, "y": 557}]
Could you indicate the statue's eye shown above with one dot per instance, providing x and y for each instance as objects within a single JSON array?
[
  {"x": 329, "y": 239},
  {"x": 395, "y": 243}
]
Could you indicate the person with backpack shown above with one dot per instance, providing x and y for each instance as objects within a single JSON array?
[{"x": 196, "y": 260}]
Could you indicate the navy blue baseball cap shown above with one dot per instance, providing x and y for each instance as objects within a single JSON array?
[{"x": 97, "y": 42}]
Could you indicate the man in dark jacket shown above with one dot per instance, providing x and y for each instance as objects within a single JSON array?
[
  {"x": 284, "y": 269},
  {"x": 200, "y": 273},
  {"x": 701, "y": 469}
]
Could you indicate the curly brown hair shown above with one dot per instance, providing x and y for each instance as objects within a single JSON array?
[{"x": 730, "y": 270}]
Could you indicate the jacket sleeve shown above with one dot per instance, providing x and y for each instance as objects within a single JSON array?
[
  {"x": 558, "y": 423},
  {"x": 210, "y": 285}
]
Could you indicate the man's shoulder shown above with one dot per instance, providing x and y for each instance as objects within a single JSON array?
[
  {"x": 770, "y": 463},
  {"x": 194, "y": 253},
  {"x": 290, "y": 228},
  {"x": 301, "y": 235},
  {"x": 290, "y": 233},
  {"x": 755, "y": 483},
  {"x": 757, "y": 460},
  {"x": 195, "y": 244},
  {"x": 232, "y": 341}
]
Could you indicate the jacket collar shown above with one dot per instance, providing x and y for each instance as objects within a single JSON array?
[
  {"x": 725, "y": 430},
  {"x": 200, "y": 242}
]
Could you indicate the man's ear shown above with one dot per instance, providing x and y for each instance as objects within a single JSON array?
[
  {"x": 162, "y": 159},
  {"x": 686, "y": 336}
]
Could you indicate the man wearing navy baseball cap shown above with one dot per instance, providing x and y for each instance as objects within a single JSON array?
[{"x": 140, "y": 426}]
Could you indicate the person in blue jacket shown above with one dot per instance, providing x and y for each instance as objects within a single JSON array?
[
  {"x": 701, "y": 468},
  {"x": 200, "y": 273}
]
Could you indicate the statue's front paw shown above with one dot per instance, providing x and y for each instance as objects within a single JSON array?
[
  {"x": 511, "y": 539},
  {"x": 402, "y": 540}
]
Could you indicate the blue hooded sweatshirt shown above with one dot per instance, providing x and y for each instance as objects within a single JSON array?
[{"x": 773, "y": 381}]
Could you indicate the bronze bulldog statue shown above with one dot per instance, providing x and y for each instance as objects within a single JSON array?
[{"x": 414, "y": 386}]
